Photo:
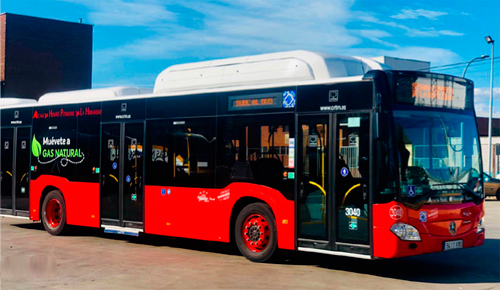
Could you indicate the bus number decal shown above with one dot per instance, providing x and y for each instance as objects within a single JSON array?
[{"x": 352, "y": 211}]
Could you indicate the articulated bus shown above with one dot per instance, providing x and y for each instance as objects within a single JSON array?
[{"x": 295, "y": 150}]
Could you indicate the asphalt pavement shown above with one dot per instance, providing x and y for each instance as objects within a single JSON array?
[{"x": 90, "y": 259}]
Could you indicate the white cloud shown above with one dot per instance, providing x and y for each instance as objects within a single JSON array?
[
  {"x": 437, "y": 56},
  {"x": 410, "y": 31},
  {"x": 430, "y": 32},
  {"x": 376, "y": 36},
  {"x": 483, "y": 94},
  {"x": 127, "y": 13},
  {"x": 414, "y": 14},
  {"x": 229, "y": 28},
  {"x": 482, "y": 100},
  {"x": 243, "y": 27}
]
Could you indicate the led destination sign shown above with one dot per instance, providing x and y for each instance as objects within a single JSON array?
[
  {"x": 260, "y": 101},
  {"x": 433, "y": 90},
  {"x": 285, "y": 99},
  {"x": 254, "y": 102}
]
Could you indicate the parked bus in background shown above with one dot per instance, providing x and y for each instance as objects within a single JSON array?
[{"x": 295, "y": 150}]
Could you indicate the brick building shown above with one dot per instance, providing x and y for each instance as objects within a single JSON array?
[{"x": 40, "y": 55}]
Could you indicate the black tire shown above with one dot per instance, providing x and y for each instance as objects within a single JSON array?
[
  {"x": 498, "y": 194},
  {"x": 54, "y": 223},
  {"x": 259, "y": 213}
]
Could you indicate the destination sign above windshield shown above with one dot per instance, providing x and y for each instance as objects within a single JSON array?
[{"x": 432, "y": 90}]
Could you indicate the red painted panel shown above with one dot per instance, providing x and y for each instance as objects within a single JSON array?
[
  {"x": 432, "y": 232},
  {"x": 205, "y": 213},
  {"x": 466, "y": 216},
  {"x": 81, "y": 198}
]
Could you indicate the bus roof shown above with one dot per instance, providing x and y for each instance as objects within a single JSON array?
[
  {"x": 239, "y": 73},
  {"x": 15, "y": 102},
  {"x": 271, "y": 68},
  {"x": 91, "y": 95}
]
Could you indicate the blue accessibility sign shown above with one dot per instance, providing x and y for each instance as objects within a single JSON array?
[
  {"x": 163, "y": 191},
  {"x": 344, "y": 171},
  {"x": 115, "y": 165},
  {"x": 127, "y": 179},
  {"x": 423, "y": 216},
  {"x": 411, "y": 190}
]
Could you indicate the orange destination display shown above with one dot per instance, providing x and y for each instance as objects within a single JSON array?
[
  {"x": 255, "y": 102},
  {"x": 431, "y": 90}
]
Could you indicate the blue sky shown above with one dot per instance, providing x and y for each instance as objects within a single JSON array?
[{"x": 135, "y": 40}]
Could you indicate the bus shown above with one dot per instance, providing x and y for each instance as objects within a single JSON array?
[{"x": 295, "y": 150}]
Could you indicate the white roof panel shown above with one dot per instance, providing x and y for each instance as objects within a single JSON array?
[
  {"x": 16, "y": 102},
  {"x": 271, "y": 68},
  {"x": 91, "y": 95}
]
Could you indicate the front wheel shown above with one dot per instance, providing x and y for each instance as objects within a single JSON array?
[
  {"x": 498, "y": 194},
  {"x": 255, "y": 232},
  {"x": 54, "y": 213}
]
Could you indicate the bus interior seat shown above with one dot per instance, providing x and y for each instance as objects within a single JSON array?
[
  {"x": 268, "y": 171},
  {"x": 241, "y": 171}
]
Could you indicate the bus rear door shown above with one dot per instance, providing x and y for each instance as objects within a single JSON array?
[{"x": 15, "y": 169}]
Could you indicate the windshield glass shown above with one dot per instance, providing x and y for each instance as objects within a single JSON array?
[{"x": 439, "y": 157}]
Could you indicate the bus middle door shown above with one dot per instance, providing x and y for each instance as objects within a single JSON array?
[{"x": 122, "y": 175}]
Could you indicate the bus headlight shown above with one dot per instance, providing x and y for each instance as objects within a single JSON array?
[
  {"x": 405, "y": 232},
  {"x": 480, "y": 226}
]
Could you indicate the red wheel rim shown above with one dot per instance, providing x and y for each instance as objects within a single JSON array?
[
  {"x": 53, "y": 212},
  {"x": 256, "y": 233}
]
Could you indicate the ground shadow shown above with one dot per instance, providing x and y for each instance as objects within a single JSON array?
[
  {"x": 151, "y": 240},
  {"x": 466, "y": 266}
]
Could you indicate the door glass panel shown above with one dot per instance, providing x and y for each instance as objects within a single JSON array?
[
  {"x": 352, "y": 177},
  {"x": 313, "y": 153},
  {"x": 22, "y": 169},
  {"x": 110, "y": 168},
  {"x": 133, "y": 168},
  {"x": 6, "y": 169}
]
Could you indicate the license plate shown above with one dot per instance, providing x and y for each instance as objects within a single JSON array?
[{"x": 452, "y": 245}]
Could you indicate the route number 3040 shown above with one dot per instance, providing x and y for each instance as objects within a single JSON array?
[{"x": 350, "y": 211}]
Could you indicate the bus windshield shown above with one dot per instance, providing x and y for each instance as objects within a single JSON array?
[{"x": 439, "y": 155}]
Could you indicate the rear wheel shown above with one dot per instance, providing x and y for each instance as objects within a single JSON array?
[
  {"x": 54, "y": 213},
  {"x": 255, "y": 232},
  {"x": 498, "y": 194}
]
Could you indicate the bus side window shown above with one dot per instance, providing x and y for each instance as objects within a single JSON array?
[
  {"x": 255, "y": 150},
  {"x": 181, "y": 155}
]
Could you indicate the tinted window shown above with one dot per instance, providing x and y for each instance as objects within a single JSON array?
[
  {"x": 256, "y": 150},
  {"x": 181, "y": 152}
]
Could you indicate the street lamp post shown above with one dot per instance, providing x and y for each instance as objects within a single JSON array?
[
  {"x": 490, "y": 40},
  {"x": 471, "y": 61}
]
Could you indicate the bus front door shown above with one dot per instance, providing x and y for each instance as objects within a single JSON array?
[
  {"x": 352, "y": 182},
  {"x": 122, "y": 175},
  {"x": 333, "y": 166}
]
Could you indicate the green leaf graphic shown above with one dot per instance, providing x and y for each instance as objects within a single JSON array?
[{"x": 36, "y": 147}]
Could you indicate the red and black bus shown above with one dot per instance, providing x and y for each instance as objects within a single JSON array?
[{"x": 297, "y": 151}]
